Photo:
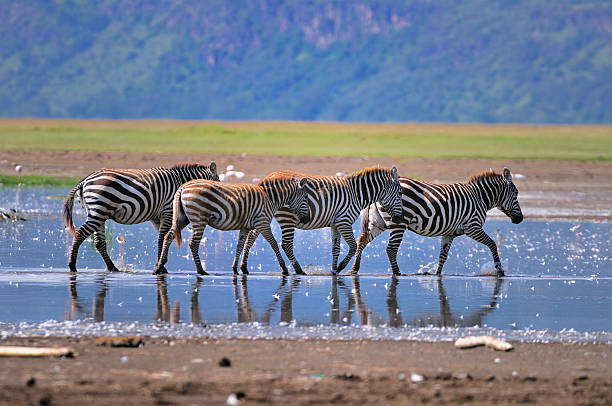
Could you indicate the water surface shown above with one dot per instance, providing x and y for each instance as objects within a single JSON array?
[{"x": 558, "y": 285}]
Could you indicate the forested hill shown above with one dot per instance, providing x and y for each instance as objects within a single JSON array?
[{"x": 536, "y": 61}]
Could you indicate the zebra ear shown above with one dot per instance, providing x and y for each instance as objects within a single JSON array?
[
  {"x": 394, "y": 173},
  {"x": 213, "y": 166},
  {"x": 303, "y": 182},
  {"x": 507, "y": 175}
]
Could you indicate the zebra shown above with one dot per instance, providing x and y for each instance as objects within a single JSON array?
[
  {"x": 335, "y": 202},
  {"x": 241, "y": 207},
  {"x": 443, "y": 210},
  {"x": 128, "y": 196}
]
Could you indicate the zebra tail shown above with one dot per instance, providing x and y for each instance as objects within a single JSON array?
[
  {"x": 372, "y": 222},
  {"x": 177, "y": 209},
  {"x": 68, "y": 203},
  {"x": 365, "y": 221}
]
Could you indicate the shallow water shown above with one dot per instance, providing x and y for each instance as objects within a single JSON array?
[{"x": 558, "y": 286}]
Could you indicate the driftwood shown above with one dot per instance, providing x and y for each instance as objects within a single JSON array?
[
  {"x": 476, "y": 341},
  {"x": 13, "y": 351}
]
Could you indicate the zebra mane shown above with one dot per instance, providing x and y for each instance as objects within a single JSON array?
[
  {"x": 484, "y": 175},
  {"x": 279, "y": 176},
  {"x": 188, "y": 165},
  {"x": 367, "y": 171}
]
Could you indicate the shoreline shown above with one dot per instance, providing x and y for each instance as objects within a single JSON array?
[{"x": 580, "y": 190}]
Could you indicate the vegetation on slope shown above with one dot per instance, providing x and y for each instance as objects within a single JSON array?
[{"x": 529, "y": 61}]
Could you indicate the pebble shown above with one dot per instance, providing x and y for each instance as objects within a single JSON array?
[
  {"x": 415, "y": 378},
  {"x": 225, "y": 362}
]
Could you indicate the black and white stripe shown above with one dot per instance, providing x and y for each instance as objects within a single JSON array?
[
  {"x": 128, "y": 196},
  {"x": 443, "y": 210},
  {"x": 336, "y": 202},
  {"x": 241, "y": 207}
]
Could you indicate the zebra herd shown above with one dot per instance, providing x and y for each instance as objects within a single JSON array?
[{"x": 171, "y": 198}]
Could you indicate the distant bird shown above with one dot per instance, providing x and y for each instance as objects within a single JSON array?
[
  {"x": 229, "y": 168},
  {"x": 239, "y": 175},
  {"x": 18, "y": 169},
  {"x": 221, "y": 177},
  {"x": 518, "y": 176},
  {"x": 341, "y": 174}
]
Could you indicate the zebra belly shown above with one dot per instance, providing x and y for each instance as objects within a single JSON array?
[{"x": 124, "y": 214}]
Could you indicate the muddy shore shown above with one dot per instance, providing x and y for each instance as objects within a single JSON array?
[
  {"x": 188, "y": 371},
  {"x": 550, "y": 189}
]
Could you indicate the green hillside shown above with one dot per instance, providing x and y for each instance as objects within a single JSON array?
[{"x": 531, "y": 61}]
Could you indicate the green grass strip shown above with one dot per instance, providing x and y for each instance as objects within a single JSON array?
[
  {"x": 590, "y": 143},
  {"x": 37, "y": 180}
]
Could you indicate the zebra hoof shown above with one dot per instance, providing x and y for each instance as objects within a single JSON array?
[
  {"x": 500, "y": 272},
  {"x": 112, "y": 269},
  {"x": 299, "y": 272},
  {"x": 72, "y": 267},
  {"x": 202, "y": 272},
  {"x": 245, "y": 271},
  {"x": 161, "y": 270}
]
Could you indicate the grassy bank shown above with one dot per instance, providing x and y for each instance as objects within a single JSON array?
[
  {"x": 36, "y": 180},
  {"x": 592, "y": 143}
]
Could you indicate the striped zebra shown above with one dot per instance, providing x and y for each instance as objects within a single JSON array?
[
  {"x": 128, "y": 196},
  {"x": 233, "y": 207},
  {"x": 443, "y": 210},
  {"x": 335, "y": 202}
]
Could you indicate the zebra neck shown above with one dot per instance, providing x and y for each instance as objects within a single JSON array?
[
  {"x": 488, "y": 193},
  {"x": 277, "y": 195},
  {"x": 365, "y": 196}
]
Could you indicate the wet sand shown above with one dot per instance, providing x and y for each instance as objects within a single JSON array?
[
  {"x": 550, "y": 189},
  {"x": 308, "y": 372}
]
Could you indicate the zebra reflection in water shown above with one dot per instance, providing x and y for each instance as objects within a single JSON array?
[
  {"x": 366, "y": 317},
  {"x": 77, "y": 307},
  {"x": 283, "y": 293}
]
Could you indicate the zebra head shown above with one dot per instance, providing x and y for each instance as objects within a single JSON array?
[
  {"x": 297, "y": 202},
  {"x": 210, "y": 172},
  {"x": 507, "y": 200},
  {"x": 191, "y": 171},
  {"x": 391, "y": 197}
]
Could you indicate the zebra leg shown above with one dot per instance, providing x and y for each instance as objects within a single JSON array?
[
  {"x": 395, "y": 240},
  {"x": 196, "y": 237},
  {"x": 83, "y": 232},
  {"x": 100, "y": 242},
  {"x": 253, "y": 234},
  {"x": 335, "y": 236},
  {"x": 162, "y": 227},
  {"x": 363, "y": 240},
  {"x": 346, "y": 231},
  {"x": 239, "y": 246},
  {"x": 478, "y": 234},
  {"x": 445, "y": 245},
  {"x": 163, "y": 255},
  {"x": 264, "y": 229},
  {"x": 287, "y": 244}
]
